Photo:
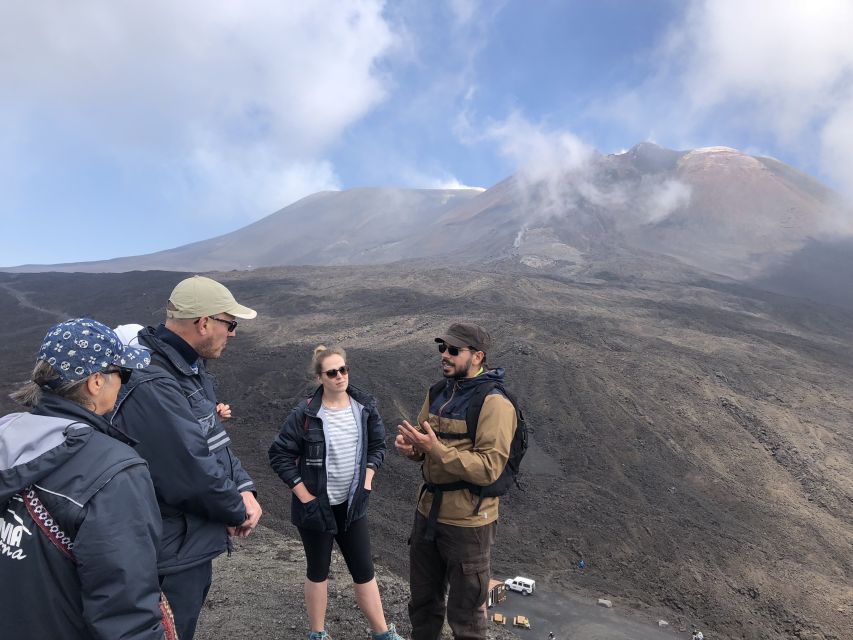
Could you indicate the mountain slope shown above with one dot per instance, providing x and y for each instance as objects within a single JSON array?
[
  {"x": 691, "y": 439},
  {"x": 358, "y": 226},
  {"x": 713, "y": 211}
]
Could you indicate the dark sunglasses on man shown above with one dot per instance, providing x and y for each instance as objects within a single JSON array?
[
  {"x": 333, "y": 373},
  {"x": 232, "y": 324},
  {"x": 451, "y": 350}
]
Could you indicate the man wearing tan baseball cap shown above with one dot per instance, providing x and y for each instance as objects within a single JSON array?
[
  {"x": 203, "y": 491},
  {"x": 198, "y": 296}
]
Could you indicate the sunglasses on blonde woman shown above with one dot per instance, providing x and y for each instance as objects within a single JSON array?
[{"x": 333, "y": 373}]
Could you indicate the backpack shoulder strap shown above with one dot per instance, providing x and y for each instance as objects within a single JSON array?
[
  {"x": 41, "y": 516},
  {"x": 435, "y": 389},
  {"x": 475, "y": 405},
  {"x": 305, "y": 422}
]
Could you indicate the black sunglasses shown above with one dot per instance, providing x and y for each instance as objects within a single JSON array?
[
  {"x": 123, "y": 373},
  {"x": 454, "y": 351},
  {"x": 333, "y": 373},
  {"x": 232, "y": 324}
]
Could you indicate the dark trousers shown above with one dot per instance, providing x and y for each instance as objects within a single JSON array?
[
  {"x": 449, "y": 575},
  {"x": 186, "y": 592},
  {"x": 354, "y": 544}
]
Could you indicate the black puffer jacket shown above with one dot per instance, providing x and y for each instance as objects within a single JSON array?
[
  {"x": 298, "y": 454},
  {"x": 99, "y": 495},
  {"x": 170, "y": 408}
]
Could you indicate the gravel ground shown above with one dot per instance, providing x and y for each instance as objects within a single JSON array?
[{"x": 257, "y": 593}]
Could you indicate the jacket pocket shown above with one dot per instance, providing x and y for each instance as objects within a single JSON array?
[
  {"x": 174, "y": 538},
  {"x": 474, "y": 580},
  {"x": 362, "y": 499},
  {"x": 308, "y": 515},
  {"x": 314, "y": 447}
]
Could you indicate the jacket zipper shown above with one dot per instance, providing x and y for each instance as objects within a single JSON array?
[
  {"x": 452, "y": 393},
  {"x": 362, "y": 464}
]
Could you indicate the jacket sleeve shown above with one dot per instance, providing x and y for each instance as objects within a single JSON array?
[
  {"x": 375, "y": 438},
  {"x": 287, "y": 448},
  {"x": 423, "y": 416},
  {"x": 485, "y": 462},
  {"x": 116, "y": 553},
  {"x": 240, "y": 476},
  {"x": 185, "y": 474}
]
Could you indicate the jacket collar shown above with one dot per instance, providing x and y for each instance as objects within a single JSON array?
[
  {"x": 172, "y": 347},
  {"x": 315, "y": 400},
  {"x": 489, "y": 375},
  {"x": 59, "y": 407}
]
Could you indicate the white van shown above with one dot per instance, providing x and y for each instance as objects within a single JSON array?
[{"x": 525, "y": 586}]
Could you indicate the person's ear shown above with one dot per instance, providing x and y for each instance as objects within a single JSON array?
[
  {"x": 202, "y": 325},
  {"x": 95, "y": 384}
]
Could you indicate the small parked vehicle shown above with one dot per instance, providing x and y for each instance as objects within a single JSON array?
[
  {"x": 499, "y": 618},
  {"x": 525, "y": 586}
]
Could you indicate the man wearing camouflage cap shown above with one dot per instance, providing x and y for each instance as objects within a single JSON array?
[{"x": 203, "y": 491}]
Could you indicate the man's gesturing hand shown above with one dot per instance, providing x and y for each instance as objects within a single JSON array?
[
  {"x": 405, "y": 448},
  {"x": 420, "y": 441}
]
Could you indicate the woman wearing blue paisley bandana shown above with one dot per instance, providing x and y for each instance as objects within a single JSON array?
[{"x": 79, "y": 522}]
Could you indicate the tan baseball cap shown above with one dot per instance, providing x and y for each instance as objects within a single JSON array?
[{"x": 199, "y": 296}]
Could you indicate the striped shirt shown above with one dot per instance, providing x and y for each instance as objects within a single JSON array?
[{"x": 341, "y": 433}]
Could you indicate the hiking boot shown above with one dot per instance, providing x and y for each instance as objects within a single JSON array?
[
  {"x": 319, "y": 635},
  {"x": 391, "y": 634}
]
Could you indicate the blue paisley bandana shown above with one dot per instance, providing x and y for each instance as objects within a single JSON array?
[{"x": 77, "y": 348}]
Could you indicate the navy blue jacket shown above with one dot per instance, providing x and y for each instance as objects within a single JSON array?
[
  {"x": 170, "y": 409},
  {"x": 100, "y": 496},
  {"x": 298, "y": 454}
]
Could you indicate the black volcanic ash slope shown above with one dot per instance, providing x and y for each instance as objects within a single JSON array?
[{"x": 692, "y": 440}]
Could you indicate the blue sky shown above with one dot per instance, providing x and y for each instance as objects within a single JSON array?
[{"x": 128, "y": 128}]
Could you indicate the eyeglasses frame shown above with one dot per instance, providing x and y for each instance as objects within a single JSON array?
[
  {"x": 124, "y": 373},
  {"x": 334, "y": 373},
  {"x": 232, "y": 324},
  {"x": 443, "y": 347}
]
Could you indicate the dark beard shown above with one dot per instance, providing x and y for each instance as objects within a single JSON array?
[{"x": 459, "y": 372}]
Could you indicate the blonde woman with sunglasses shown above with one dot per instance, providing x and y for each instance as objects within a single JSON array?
[{"x": 327, "y": 452}]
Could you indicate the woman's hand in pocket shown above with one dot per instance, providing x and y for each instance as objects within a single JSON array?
[{"x": 302, "y": 494}]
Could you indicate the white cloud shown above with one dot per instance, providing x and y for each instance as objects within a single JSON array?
[
  {"x": 538, "y": 151},
  {"x": 464, "y": 11},
  {"x": 790, "y": 60},
  {"x": 766, "y": 70},
  {"x": 560, "y": 175},
  {"x": 656, "y": 200},
  {"x": 419, "y": 178},
  {"x": 450, "y": 183},
  {"x": 254, "y": 189},
  {"x": 837, "y": 142},
  {"x": 554, "y": 167},
  {"x": 238, "y": 101}
]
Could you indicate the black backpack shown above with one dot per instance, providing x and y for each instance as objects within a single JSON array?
[{"x": 517, "y": 449}]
